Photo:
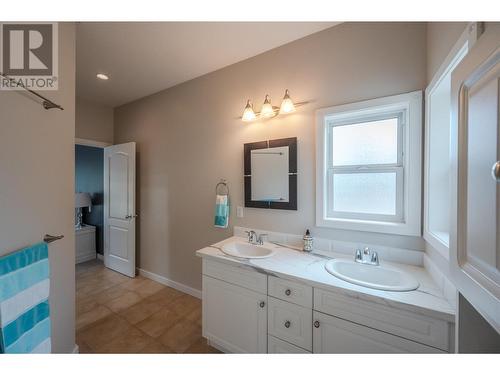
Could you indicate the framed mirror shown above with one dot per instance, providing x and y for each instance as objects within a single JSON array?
[{"x": 271, "y": 174}]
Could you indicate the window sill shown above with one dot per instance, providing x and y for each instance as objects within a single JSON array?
[{"x": 404, "y": 229}]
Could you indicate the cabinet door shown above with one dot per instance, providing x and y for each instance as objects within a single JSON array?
[
  {"x": 475, "y": 239},
  {"x": 334, "y": 335},
  {"x": 234, "y": 318}
]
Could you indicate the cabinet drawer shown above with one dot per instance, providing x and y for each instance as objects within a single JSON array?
[
  {"x": 416, "y": 327},
  {"x": 290, "y": 291},
  {"x": 244, "y": 277},
  {"x": 334, "y": 335},
  {"x": 277, "y": 346},
  {"x": 290, "y": 322}
]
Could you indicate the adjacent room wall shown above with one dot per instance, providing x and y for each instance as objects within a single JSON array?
[
  {"x": 89, "y": 178},
  {"x": 93, "y": 121},
  {"x": 189, "y": 136},
  {"x": 38, "y": 183}
]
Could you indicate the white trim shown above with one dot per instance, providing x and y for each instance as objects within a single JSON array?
[
  {"x": 100, "y": 257},
  {"x": 173, "y": 284},
  {"x": 76, "y": 349},
  {"x": 91, "y": 143},
  {"x": 412, "y": 164},
  {"x": 466, "y": 40}
]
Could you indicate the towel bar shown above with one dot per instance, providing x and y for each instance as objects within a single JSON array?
[{"x": 48, "y": 238}]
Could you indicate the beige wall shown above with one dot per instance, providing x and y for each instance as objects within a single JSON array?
[
  {"x": 441, "y": 37},
  {"x": 189, "y": 136},
  {"x": 37, "y": 184},
  {"x": 93, "y": 121}
]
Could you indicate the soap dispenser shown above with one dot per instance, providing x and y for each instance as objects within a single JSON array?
[{"x": 308, "y": 241}]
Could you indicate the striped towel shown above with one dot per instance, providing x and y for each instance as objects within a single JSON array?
[{"x": 24, "y": 301}]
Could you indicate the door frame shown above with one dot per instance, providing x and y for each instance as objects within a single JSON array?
[{"x": 91, "y": 143}]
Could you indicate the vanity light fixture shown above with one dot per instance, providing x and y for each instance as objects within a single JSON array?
[
  {"x": 248, "y": 113},
  {"x": 268, "y": 111},
  {"x": 287, "y": 105},
  {"x": 102, "y": 76}
]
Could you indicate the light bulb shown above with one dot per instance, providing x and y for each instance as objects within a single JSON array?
[
  {"x": 102, "y": 76},
  {"x": 287, "y": 105},
  {"x": 248, "y": 113},
  {"x": 267, "y": 109}
]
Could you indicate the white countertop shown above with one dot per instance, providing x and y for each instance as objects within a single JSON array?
[{"x": 309, "y": 268}]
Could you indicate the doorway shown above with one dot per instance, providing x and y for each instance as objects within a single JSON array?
[
  {"x": 105, "y": 216},
  {"x": 89, "y": 189}
]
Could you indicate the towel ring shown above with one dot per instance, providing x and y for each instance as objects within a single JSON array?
[{"x": 224, "y": 185}]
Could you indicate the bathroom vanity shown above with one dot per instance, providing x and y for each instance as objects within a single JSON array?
[{"x": 289, "y": 303}]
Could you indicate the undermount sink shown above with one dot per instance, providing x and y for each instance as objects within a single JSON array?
[
  {"x": 371, "y": 276},
  {"x": 247, "y": 250}
]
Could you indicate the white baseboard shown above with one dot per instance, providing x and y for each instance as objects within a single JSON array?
[
  {"x": 76, "y": 350},
  {"x": 100, "y": 257},
  {"x": 173, "y": 284}
]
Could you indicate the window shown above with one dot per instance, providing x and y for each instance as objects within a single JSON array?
[{"x": 368, "y": 172}]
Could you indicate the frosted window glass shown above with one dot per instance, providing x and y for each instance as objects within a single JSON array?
[
  {"x": 373, "y": 142},
  {"x": 368, "y": 193}
]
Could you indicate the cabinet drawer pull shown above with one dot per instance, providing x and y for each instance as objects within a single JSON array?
[
  {"x": 262, "y": 304},
  {"x": 316, "y": 324},
  {"x": 288, "y": 292},
  {"x": 287, "y": 324}
]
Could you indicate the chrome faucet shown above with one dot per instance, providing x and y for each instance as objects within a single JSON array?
[
  {"x": 366, "y": 257},
  {"x": 255, "y": 239},
  {"x": 252, "y": 237}
]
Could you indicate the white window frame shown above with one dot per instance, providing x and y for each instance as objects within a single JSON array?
[
  {"x": 460, "y": 49},
  {"x": 407, "y": 220}
]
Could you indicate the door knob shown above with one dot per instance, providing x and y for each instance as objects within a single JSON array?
[
  {"x": 495, "y": 171},
  {"x": 131, "y": 216},
  {"x": 288, "y": 292},
  {"x": 316, "y": 324},
  {"x": 262, "y": 304},
  {"x": 287, "y": 324}
]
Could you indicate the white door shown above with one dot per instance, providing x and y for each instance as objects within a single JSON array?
[
  {"x": 474, "y": 244},
  {"x": 234, "y": 317},
  {"x": 338, "y": 336},
  {"x": 119, "y": 208}
]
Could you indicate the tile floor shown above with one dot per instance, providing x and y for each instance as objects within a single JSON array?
[{"x": 117, "y": 314}]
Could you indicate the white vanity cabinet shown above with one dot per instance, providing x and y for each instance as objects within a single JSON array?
[
  {"x": 234, "y": 316},
  {"x": 248, "y": 311}
]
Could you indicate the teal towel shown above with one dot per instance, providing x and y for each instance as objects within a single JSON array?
[
  {"x": 221, "y": 211},
  {"x": 24, "y": 301}
]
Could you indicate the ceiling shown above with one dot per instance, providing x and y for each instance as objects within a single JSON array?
[{"x": 144, "y": 58}]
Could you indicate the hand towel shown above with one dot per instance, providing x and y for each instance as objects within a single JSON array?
[
  {"x": 24, "y": 301},
  {"x": 221, "y": 211}
]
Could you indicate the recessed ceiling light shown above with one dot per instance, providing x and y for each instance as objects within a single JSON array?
[{"x": 102, "y": 76}]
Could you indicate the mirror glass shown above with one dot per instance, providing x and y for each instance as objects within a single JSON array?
[{"x": 270, "y": 174}]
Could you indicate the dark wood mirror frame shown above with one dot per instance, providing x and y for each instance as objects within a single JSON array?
[{"x": 292, "y": 174}]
